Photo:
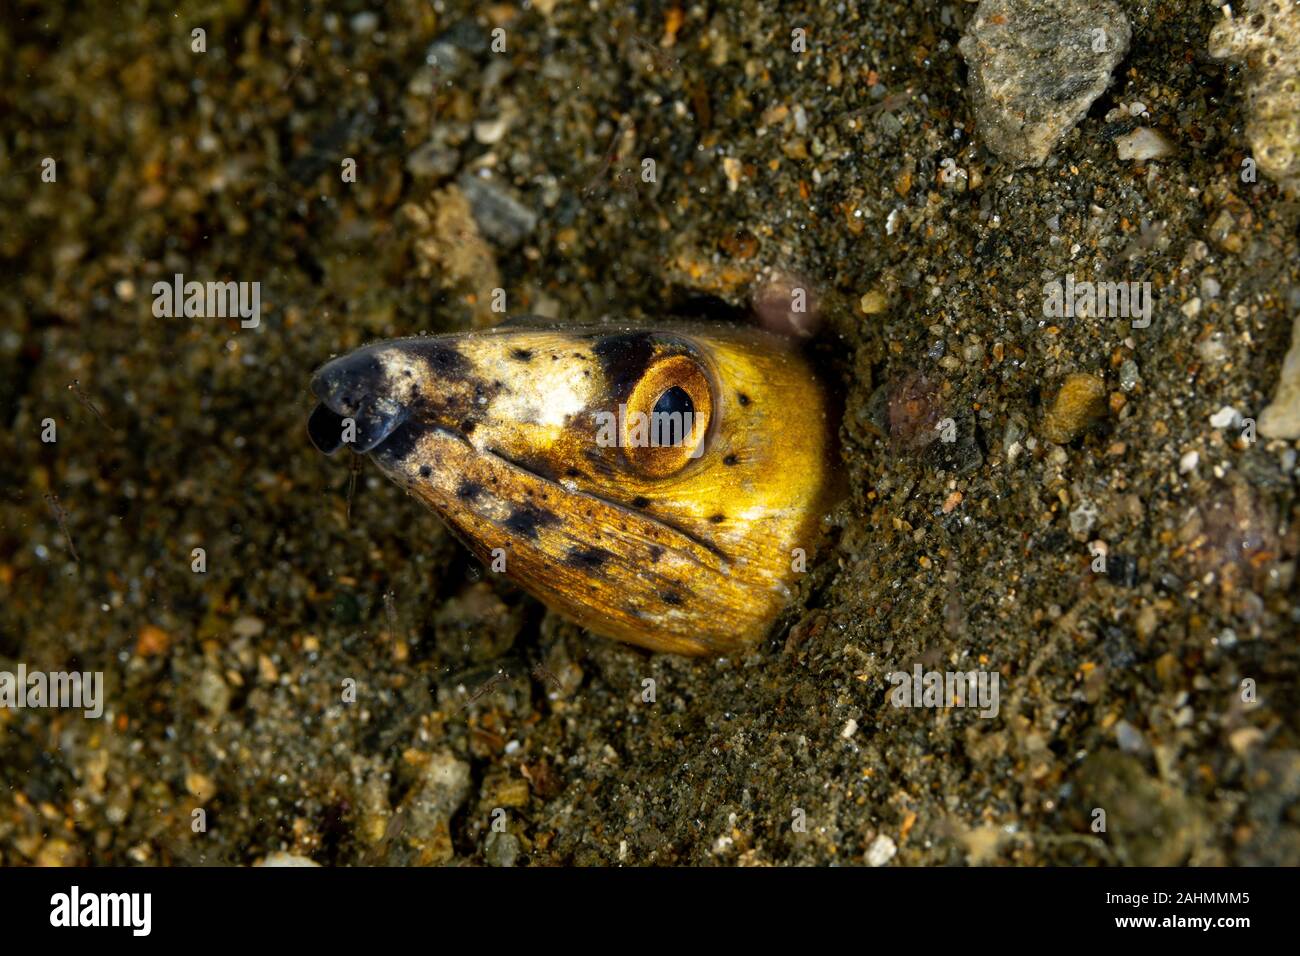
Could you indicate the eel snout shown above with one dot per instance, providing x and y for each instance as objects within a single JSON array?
[{"x": 355, "y": 406}]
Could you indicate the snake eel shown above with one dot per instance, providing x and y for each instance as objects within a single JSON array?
[{"x": 658, "y": 485}]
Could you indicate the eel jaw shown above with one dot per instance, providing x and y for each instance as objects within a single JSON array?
[{"x": 354, "y": 396}]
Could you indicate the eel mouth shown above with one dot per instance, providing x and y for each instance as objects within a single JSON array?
[
  {"x": 371, "y": 426},
  {"x": 353, "y": 409}
]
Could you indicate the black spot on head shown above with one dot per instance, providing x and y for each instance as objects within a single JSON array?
[
  {"x": 467, "y": 427},
  {"x": 672, "y": 597},
  {"x": 742, "y": 398},
  {"x": 468, "y": 490},
  {"x": 717, "y": 519},
  {"x": 640, "y": 502},
  {"x": 425, "y": 471},
  {"x": 521, "y": 355},
  {"x": 730, "y": 460},
  {"x": 526, "y": 520},
  {"x": 587, "y": 559},
  {"x": 572, "y": 473},
  {"x": 443, "y": 358},
  {"x": 624, "y": 358}
]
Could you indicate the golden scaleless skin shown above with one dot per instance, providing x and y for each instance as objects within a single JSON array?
[{"x": 530, "y": 441}]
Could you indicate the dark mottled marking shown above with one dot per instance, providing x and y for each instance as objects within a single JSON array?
[
  {"x": 717, "y": 519},
  {"x": 426, "y": 471},
  {"x": 400, "y": 445},
  {"x": 443, "y": 358},
  {"x": 467, "y": 427},
  {"x": 521, "y": 355},
  {"x": 656, "y": 553},
  {"x": 572, "y": 473},
  {"x": 672, "y": 597},
  {"x": 526, "y": 520},
  {"x": 468, "y": 490},
  {"x": 588, "y": 559},
  {"x": 730, "y": 460},
  {"x": 742, "y": 398},
  {"x": 624, "y": 358},
  {"x": 640, "y": 502}
]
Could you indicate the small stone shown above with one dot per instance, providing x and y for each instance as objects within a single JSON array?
[
  {"x": 490, "y": 132},
  {"x": 280, "y": 858},
  {"x": 247, "y": 626},
  {"x": 365, "y": 23},
  {"x": 501, "y": 849},
  {"x": 432, "y": 160},
  {"x": 849, "y": 729},
  {"x": 152, "y": 642},
  {"x": 212, "y": 693},
  {"x": 1129, "y": 738},
  {"x": 873, "y": 303},
  {"x": 1080, "y": 400},
  {"x": 1245, "y": 738},
  {"x": 1225, "y": 417},
  {"x": 881, "y": 851},
  {"x": 1083, "y": 517},
  {"x": 441, "y": 792},
  {"x": 1122, "y": 570},
  {"x": 1128, "y": 375},
  {"x": 1035, "y": 67},
  {"x": 1143, "y": 143},
  {"x": 732, "y": 169},
  {"x": 200, "y": 786},
  {"x": 501, "y": 217},
  {"x": 1281, "y": 419},
  {"x": 1188, "y": 462}
]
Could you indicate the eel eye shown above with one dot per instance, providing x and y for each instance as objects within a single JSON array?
[{"x": 668, "y": 416}]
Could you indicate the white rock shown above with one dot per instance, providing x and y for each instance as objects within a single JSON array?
[
  {"x": 881, "y": 851},
  {"x": 1224, "y": 417},
  {"x": 1189, "y": 462},
  {"x": 1282, "y": 418},
  {"x": 280, "y": 858},
  {"x": 1143, "y": 143}
]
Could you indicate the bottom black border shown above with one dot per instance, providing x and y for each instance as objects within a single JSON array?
[{"x": 550, "y": 907}]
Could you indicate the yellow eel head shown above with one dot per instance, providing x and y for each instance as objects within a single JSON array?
[{"x": 662, "y": 486}]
